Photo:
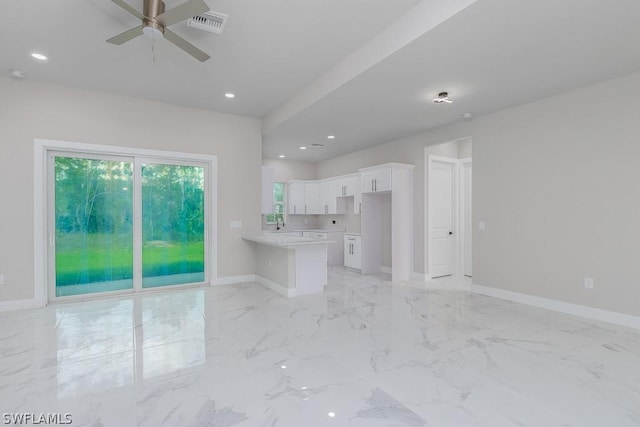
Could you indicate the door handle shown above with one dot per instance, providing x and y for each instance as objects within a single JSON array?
[{"x": 451, "y": 233}]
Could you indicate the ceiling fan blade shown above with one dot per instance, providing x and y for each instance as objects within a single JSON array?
[
  {"x": 185, "y": 45},
  {"x": 129, "y": 8},
  {"x": 126, "y": 36},
  {"x": 182, "y": 12}
]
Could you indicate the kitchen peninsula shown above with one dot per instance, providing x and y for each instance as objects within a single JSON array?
[{"x": 290, "y": 265}]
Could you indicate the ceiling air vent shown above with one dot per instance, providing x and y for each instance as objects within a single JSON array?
[{"x": 211, "y": 21}]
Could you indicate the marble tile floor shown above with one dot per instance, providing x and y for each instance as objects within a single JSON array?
[{"x": 364, "y": 353}]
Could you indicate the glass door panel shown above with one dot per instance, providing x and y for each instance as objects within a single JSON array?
[
  {"x": 93, "y": 217},
  {"x": 173, "y": 221}
]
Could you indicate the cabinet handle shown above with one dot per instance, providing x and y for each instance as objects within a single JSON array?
[
  {"x": 372, "y": 186},
  {"x": 376, "y": 184},
  {"x": 360, "y": 209}
]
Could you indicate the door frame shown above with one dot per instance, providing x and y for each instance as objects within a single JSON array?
[
  {"x": 462, "y": 165},
  {"x": 42, "y": 148}
]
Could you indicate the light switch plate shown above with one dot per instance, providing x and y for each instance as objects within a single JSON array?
[
  {"x": 236, "y": 224},
  {"x": 482, "y": 225}
]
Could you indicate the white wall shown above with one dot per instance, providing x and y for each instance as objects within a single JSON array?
[
  {"x": 286, "y": 170},
  {"x": 556, "y": 182},
  {"x": 31, "y": 110}
]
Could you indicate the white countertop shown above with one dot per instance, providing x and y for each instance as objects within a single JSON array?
[
  {"x": 280, "y": 240},
  {"x": 299, "y": 230}
]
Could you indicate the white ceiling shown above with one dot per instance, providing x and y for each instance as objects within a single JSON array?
[{"x": 364, "y": 70}]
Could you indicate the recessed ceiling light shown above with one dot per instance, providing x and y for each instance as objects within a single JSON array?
[
  {"x": 39, "y": 56},
  {"x": 283, "y": 366},
  {"x": 331, "y": 414},
  {"x": 281, "y": 156},
  {"x": 331, "y": 137},
  {"x": 303, "y": 148},
  {"x": 229, "y": 95},
  {"x": 442, "y": 98}
]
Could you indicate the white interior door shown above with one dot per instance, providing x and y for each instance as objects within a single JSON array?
[
  {"x": 466, "y": 216},
  {"x": 441, "y": 207}
]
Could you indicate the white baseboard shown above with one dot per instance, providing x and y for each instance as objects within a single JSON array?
[
  {"x": 420, "y": 277},
  {"x": 22, "y": 304},
  {"x": 386, "y": 270},
  {"x": 276, "y": 287},
  {"x": 563, "y": 307},
  {"x": 230, "y": 280}
]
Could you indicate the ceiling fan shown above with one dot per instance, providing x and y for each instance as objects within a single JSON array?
[{"x": 155, "y": 21}]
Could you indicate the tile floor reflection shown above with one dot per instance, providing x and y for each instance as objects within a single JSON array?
[{"x": 364, "y": 353}]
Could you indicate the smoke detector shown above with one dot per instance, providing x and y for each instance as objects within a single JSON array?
[
  {"x": 16, "y": 74},
  {"x": 443, "y": 97},
  {"x": 210, "y": 21}
]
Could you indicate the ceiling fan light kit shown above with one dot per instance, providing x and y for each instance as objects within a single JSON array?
[{"x": 154, "y": 22}]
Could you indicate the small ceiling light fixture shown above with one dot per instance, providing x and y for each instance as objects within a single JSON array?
[
  {"x": 39, "y": 56},
  {"x": 467, "y": 116},
  {"x": 331, "y": 137},
  {"x": 303, "y": 148},
  {"x": 229, "y": 95},
  {"x": 16, "y": 74},
  {"x": 281, "y": 156},
  {"x": 443, "y": 97},
  {"x": 331, "y": 414}
]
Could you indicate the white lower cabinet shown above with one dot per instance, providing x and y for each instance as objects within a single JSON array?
[
  {"x": 334, "y": 250},
  {"x": 352, "y": 251}
]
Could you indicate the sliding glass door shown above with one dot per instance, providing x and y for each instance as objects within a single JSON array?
[
  {"x": 122, "y": 224},
  {"x": 172, "y": 224},
  {"x": 93, "y": 225}
]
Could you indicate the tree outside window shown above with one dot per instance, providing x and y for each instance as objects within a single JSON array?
[{"x": 278, "y": 214}]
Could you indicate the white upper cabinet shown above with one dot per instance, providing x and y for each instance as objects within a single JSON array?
[
  {"x": 304, "y": 198},
  {"x": 347, "y": 185},
  {"x": 296, "y": 197},
  {"x": 328, "y": 203},
  {"x": 312, "y": 198},
  {"x": 375, "y": 179}
]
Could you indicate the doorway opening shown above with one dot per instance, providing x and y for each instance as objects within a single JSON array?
[{"x": 448, "y": 209}]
